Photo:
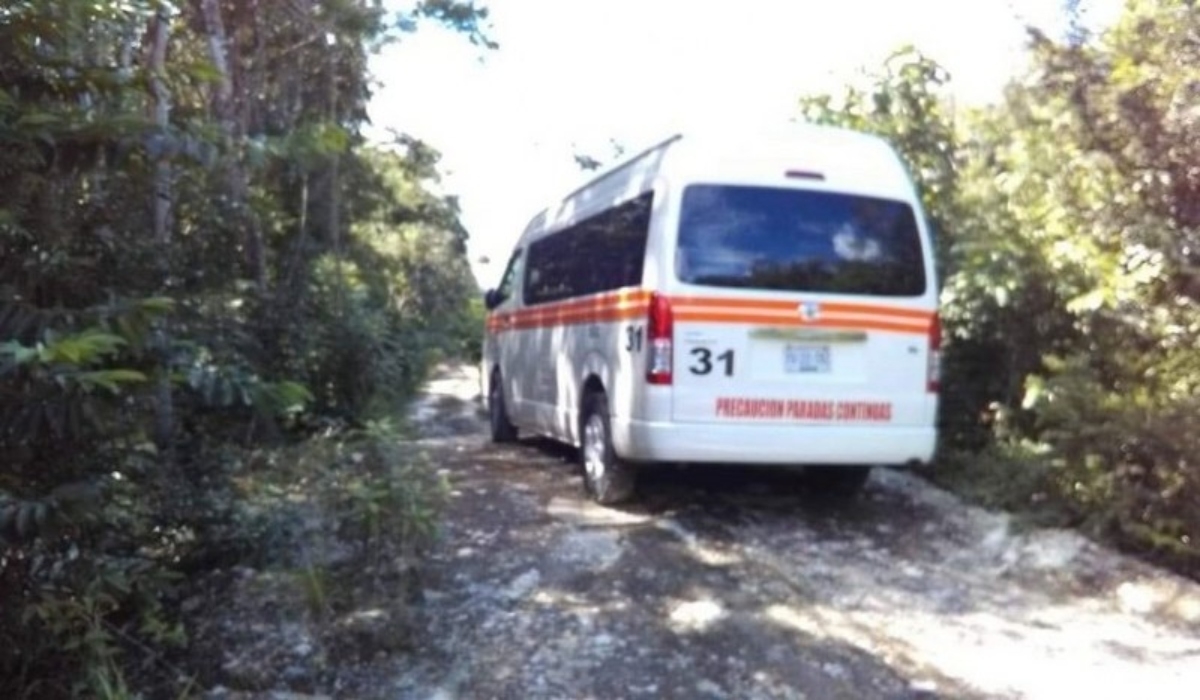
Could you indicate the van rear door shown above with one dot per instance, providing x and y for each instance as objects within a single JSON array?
[{"x": 801, "y": 306}]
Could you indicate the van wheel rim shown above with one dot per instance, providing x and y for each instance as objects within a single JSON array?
[{"x": 593, "y": 448}]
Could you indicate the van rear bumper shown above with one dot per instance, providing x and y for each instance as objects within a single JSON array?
[{"x": 773, "y": 444}]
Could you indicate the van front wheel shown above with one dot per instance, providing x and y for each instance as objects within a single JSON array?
[{"x": 606, "y": 477}]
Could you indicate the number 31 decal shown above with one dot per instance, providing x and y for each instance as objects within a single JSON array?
[
  {"x": 633, "y": 338},
  {"x": 704, "y": 361}
]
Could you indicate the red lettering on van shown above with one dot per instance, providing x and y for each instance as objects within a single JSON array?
[{"x": 803, "y": 410}]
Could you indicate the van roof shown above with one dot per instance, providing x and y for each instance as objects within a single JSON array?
[{"x": 788, "y": 137}]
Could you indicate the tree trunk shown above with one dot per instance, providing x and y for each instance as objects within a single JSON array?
[
  {"x": 227, "y": 117},
  {"x": 160, "y": 32},
  {"x": 160, "y": 35},
  {"x": 335, "y": 229}
]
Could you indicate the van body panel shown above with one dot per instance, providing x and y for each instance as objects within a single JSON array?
[
  {"x": 799, "y": 271},
  {"x": 775, "y": 445}
]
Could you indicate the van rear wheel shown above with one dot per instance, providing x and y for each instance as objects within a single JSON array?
[
  {"x": 502, "y": 428},
  {"x": 607, "y": 479},
  {"x": 840, "y": 481}
]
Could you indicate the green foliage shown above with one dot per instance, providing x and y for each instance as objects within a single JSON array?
[
  {"x": 370, "y": 322},
  {"x": 905, "y": 105},
  {"x": 1069, "y": 241},
  {"x": 388, "y": 496},
  {"x": 224, "y": 386},
  {"x": 379, "y": 502},
  {"x": 464, "y": 17},
  {"x": 315, "y": 583},
  {"x": 467, "y": 341},
  {"x": 198, "y": 256},
  {"x": 1013, "y": 475}
]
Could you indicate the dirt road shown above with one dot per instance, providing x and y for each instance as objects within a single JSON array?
[{"x": 723, "y": 584}]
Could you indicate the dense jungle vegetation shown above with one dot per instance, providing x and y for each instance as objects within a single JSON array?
[
  {"x": 208, "y": 276},
  {"x": 201, "y": 262},
  {"x": 1068, "y": 223}
]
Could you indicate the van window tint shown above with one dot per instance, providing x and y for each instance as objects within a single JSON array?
[
  {"x": 508, "y": 280},
  {"x": 798, "y": 240},
  {"x": 598, "y": 254}
]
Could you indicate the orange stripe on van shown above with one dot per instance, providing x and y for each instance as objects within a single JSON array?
[
  {"x": 620, "y": 296},
  {"x": 791, "y": 307},
  {"x": 617, "y": 305},
  {"x": 774, "y": 319},
  {"x": 779, "y": 312},
  {"x": 632, "y": 303},
  {"x": 564, "y": 318}
]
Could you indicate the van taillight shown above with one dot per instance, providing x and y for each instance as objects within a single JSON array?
[
  {"x": 660, "y": 334},
  {"x": 934, "y": 376}
]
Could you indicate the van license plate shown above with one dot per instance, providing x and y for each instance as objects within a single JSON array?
[{"x": 806, "y": 359}]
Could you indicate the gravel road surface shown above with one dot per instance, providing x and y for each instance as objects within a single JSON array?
[{"x": 723, "y": 583}]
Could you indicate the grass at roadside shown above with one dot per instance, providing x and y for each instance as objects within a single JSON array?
[
  {"x": 333, "y": 531},
  {"x": 1022, "y": 479}
]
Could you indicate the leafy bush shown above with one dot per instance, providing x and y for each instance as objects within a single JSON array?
[
  {"x": 61, "y": 419},
  {"x": 1068, "y": 239},
  {"x": 351, "y": 347},
  {"x": 466, "y": 332},
  {"x": 387, "y": 494},
  {"x": 199, "y": 265},
  {"x": 1122, "y": 458}
]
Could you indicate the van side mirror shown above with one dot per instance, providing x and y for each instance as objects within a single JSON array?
[{"x": 492, "y": 299}]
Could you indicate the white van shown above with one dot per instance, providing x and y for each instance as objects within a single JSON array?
[{"x": 725, "y": 298}]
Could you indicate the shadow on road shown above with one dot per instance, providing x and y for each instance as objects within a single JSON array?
[{"x": 740, "y": 494}]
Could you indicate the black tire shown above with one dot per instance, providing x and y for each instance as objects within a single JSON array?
[
  {"x": 607, "y": 479},
  {"x": 502, "y": 428},
  {"x": 840, "y": 481}
]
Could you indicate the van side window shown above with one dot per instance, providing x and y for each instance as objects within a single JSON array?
[
  {"x": 599, "y": 254},
  {"x": 508, "y": 282}
]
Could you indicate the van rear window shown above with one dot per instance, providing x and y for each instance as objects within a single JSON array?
[{"x": 798, "y": 240}]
